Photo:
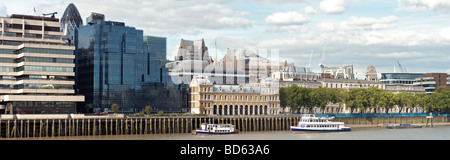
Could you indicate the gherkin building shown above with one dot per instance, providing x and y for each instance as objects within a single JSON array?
[{"x": 70, "y": 20}]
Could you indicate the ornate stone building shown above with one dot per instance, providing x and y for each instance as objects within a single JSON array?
[
  {"x": 371, "y": 74},
  {"x": 244, "y": 99}
]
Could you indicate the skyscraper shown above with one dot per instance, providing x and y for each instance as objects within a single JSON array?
[
  {"x": 193, "y": 50},
  {"x": 70, "y": 20},
  {"x": 36, "y": 69},
  {"x": 158, "y": 46},
  {"x": 114, "y": 66}
]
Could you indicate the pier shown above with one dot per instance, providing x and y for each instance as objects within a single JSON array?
[
  {"x": 21, "y": 126},
  {"x": 27, "y": 126}
]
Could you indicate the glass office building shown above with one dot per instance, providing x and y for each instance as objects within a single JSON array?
[
  {"x": 70, "y": 20},
  {"x": 399, "y": 78},
  {"x": 114, "y": 66},
  {"x": 157, "y": 46}
]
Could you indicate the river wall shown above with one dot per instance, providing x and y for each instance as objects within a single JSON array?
[{"x": 75, "y": 125}]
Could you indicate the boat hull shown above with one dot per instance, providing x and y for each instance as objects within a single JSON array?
[
  {"x": 312, "y": 130},
  {"x": 203, "y": 132},
  {"x": 401, "y": 126}
]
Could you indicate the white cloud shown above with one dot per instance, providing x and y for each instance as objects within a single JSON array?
[
  {"x": 333, "y": 6},
  {"x": 292, "y": 21},
  {"x": 289, "y": 28},
  {"x": 425, "y": 5},
  {"x": 270, "y": 2},
  {"x": 369, "y": 23},
  {"x": 160, "y": 17},
  {"x": 326, "y": 27},
  {"x": 2, "y": 10},
  {"x": 308, "y": 10},
  {"x": 234, "y": 21},
  {"x": 287, "y": 18},
  {"x": 446, "y": 33}
]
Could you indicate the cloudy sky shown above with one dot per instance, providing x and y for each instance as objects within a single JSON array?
[{"x": 360, "y": 32}]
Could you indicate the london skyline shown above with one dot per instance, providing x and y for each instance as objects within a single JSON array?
[{"x": 361, "y": 33}]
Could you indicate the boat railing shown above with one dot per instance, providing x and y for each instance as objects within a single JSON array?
[{"x": 352, "y": 115}]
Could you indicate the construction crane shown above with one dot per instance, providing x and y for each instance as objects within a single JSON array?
[
  {"x": 53, "y": 14},
  {"x": 402, "y": 69},
  {"x": 322, "y": 56},
  {"x": 310, "y": 57}
]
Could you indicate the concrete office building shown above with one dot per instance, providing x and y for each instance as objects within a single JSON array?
[
  {"x": 36, "y": 68},
  {"x": 290, "y": 72},
  {"x": 431, "y": 81},
  {"x": 338, "y": 72},
  {"x": 255, "y": 66},
  {"x": 193, "y": 50}
]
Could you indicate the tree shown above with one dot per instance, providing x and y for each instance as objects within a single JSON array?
[
  {"x": 373, "y": 94},
  {"x": 386, "y": 100},
  {"x": 321, "y": 97},
  {"x": 402, "y": 100},
  {"x": 88, "y": 107},
  {"x": 360, "y": 99},
  {"x": 283, "y": 97},
  {"x": 421, "y": 99},
  {"x": 341, "y": 94},
  {"x": 306, "y": 99},
  {"x": 441, "y": 98},
  {"x": 148, "y": 109},
  {"x": 291, "y": 93},
  {"x": 115, "y": 107},
  {"x": 412, "y": 103}
]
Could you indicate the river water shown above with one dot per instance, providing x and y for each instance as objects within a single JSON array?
[{"x": 436, "y": 133}]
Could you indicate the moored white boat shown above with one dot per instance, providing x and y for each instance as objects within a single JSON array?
[
  {"x": 311, "y": 123},
  {"x": 215, "y": 129}
]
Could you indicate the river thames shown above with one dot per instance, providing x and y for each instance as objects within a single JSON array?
[{"x": 357, "y": 133}]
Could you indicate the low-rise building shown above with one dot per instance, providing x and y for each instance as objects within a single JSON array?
[
  {"x": 431, "y": 81},
  {"x": 243, "y": 99},
  {"x": 338, "y": 72}
]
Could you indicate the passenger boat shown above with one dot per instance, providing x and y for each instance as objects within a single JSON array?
[
  {"x": 215, "y": 129},
  {"x": 403, "y": 126},
  {"x": 311, "y": 123}
]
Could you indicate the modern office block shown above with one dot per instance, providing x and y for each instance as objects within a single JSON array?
[
  {"x": 158, "y": 47},
  {"x": 36, "y": 66},
  {"x": 114, "y": 66},
  {"x": 399, "y": 78}
]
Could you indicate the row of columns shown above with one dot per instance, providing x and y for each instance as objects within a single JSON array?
[{"x": 239, "y": 110}]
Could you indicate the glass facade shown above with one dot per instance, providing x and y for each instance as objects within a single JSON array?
[
  {"x": 158, "y": 47},
  {"x": 114, "y": 66},
  {"x": 399, "y": 78},
  {"x": 70, "y": 19}
]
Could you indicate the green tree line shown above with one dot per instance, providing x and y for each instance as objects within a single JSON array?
[{"x": 363, "y": 100}]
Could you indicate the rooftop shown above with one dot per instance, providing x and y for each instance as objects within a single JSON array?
[{"x": 34, "y": 17}]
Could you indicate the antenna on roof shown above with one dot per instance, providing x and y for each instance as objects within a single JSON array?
[
  {"x": 53, "y": 14},
  {"x": 215, "y": 47},
  {"x": 310, "y": 57}
]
